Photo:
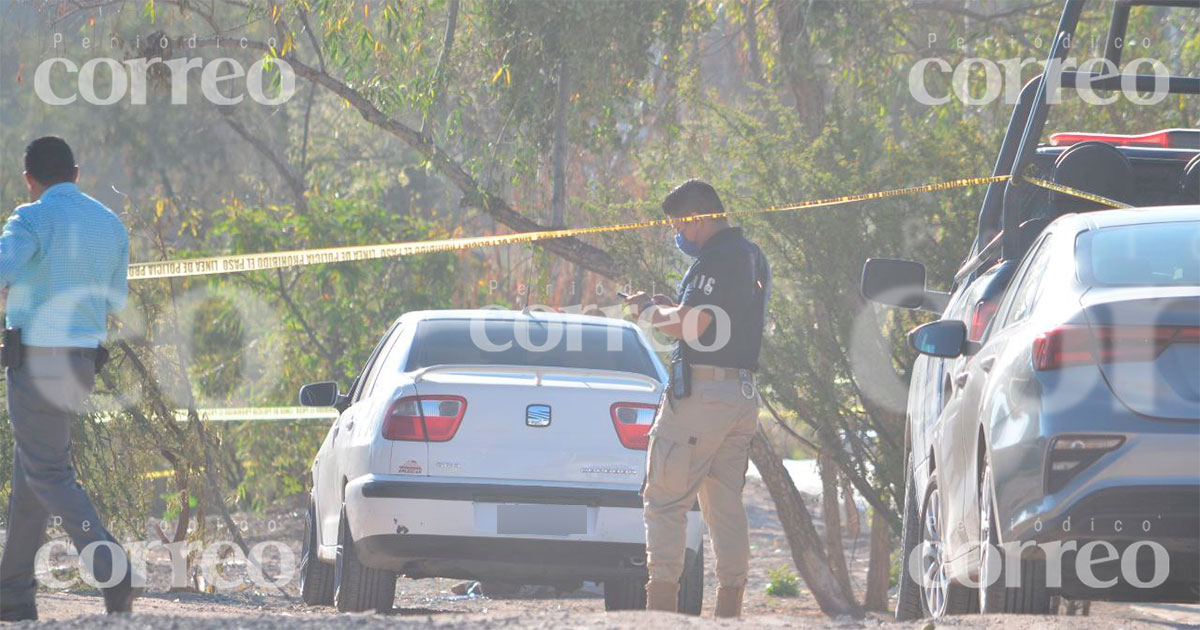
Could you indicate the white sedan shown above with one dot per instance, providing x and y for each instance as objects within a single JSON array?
[{"x": 489, "y": 445}]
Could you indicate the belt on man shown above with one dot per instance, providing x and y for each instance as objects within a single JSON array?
[
  {"x": 59, "y": 351},
  {"x": 715, "y": 373}
]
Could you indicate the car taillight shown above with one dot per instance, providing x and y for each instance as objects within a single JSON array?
[
  {"x": 633, "y": 422},
  {"x": 424, "y": 418},
  {"x": 1069, "y": 455},
  {"x": 1077, "y": 345},
  {"x": 981, "y": 316}
]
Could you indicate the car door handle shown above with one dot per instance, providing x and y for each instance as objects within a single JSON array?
[
  {"x": 987, "y": 362},
  {"x": 961, "y": 379}
]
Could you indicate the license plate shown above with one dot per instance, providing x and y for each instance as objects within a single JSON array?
[{"x": 541, "y": 520}]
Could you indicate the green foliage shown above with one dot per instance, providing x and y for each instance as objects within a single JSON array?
[
  {"x": 274, "y": 459},
  {"x": 782, "y": 583},
  {"x": 603, "y": 46}
]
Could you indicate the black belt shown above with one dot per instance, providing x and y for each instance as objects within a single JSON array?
[{"x": 60, "y": 351}]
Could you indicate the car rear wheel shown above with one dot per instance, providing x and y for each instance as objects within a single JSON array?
[
  {"x": 940, "y": 596},
  {"x": 359, "y": 587},
  {"x": 626, "y": 594},
  {"x": 691, "y": 585},
  {"x": 630, "y": 594},
  {"x": 1028, "y": 595},
  {"x": 908, "y": 600},
  {"x": 316, "y": 577}
]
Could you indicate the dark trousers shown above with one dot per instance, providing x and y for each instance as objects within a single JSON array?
[{"x": 45, "y": 395}]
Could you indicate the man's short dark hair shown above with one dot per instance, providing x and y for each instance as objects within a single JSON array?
[
  {"x": 692, "y": 197},
  {"x": 49, "y": 160}
]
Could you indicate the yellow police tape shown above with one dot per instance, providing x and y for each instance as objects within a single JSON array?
[
  {"x": 250, "y": 262},
  {"x": 277, "y": 260},
  {"x": 1075, "y": 192},
  {"x": 244, "y": 414},
  {"x": 159, "y": 474}
]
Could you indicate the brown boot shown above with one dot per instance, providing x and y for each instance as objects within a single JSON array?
[
  {"x": 662, "y": 596},
  {"x": 729, "y": 601}
]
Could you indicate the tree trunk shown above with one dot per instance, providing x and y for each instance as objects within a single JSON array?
[
  {"x": 577, "y": 290},
  {"x": 755, "y": 63},
  {"x": 439, "y": 72},
  {"x": 831, "y": 511},
  {"x": 853, "y": 522},
  {"x": 880, "y": 564},
  {"x": 795, "y": 57},
  {"x": 665, "y": 111},
  {"x": 562, "y": 100},
  {"x": 807, "y": 550}
]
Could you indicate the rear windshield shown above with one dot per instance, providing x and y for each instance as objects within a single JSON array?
[
  {"x": 1151, "y": 254},
  {"x": 529, "y": 343}
]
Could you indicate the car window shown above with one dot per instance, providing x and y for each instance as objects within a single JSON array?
[
  {"x": 386, "y": 361},
  {"x": 364, "y": 380},
  {"x": 1019, "y": 282},
  {"x": 1025, "y": 293},
  {"x": 958, "y": 307},
  {"x": 1146, "y": 255},
  {"x": 522, "y": 342},
  {"x": 380, "y": 362}
]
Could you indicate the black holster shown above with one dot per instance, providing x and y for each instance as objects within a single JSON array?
[
  {"x": 12, "y": 352},
  {"x": 102, "y": 357},
  {"x": 681, "y": 379}
]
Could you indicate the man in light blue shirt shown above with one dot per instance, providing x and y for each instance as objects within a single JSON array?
[
  {"x": 63, "y": 262},
  {"x": 63, "y": 258}
]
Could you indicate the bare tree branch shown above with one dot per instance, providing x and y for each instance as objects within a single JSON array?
[
  {"x": 329, "y": 357},
  {"x": 474, "y": 194},
  {"x": 439, "y": 71},
  {"x": 958, "y": 9},
  {"x": 294, "y": 183}
]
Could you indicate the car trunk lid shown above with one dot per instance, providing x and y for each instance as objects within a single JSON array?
[
  {"x": 1147, "y": 344},
  {"x": 536, "y": 424}
]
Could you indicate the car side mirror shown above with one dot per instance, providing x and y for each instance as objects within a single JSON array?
[
  {"x": 900, "y": 283},
  {"x": 946, "y": 338},
  {"x": 324, "y": 394}
]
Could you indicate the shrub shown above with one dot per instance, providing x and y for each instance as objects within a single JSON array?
[{"x": 783, "y": 583}]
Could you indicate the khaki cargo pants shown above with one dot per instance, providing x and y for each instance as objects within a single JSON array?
[{"x": 700, "y": 445}]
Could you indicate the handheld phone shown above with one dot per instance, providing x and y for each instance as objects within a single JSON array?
[{"x": 623, "y": 296}]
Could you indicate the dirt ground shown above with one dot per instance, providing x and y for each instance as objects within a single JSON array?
[{"x": 431, "y": 604}]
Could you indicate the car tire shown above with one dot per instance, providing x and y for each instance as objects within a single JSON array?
[
  {"x": 940, "y": 595},
  {"x": 908, "y": 599},
  {"x": 630, "y": 594},
  {"x": 359, "y": 587},
  {"x": 625, "y": 594},
  {"x": 1031, "y": 596},
  {"x": 691, "y": 585},
  {"x": 316, "y": 577}
]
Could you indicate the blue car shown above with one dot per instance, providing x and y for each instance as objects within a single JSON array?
[{"x": 1066, "y": 460}]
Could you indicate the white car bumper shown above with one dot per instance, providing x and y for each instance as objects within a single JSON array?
[{"x": 459, "y": 528}]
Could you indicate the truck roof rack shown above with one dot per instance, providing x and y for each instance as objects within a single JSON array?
[{"x": 1000, "y": 216}]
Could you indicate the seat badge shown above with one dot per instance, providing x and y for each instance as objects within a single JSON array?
[{"x": 537, "y": 415}]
